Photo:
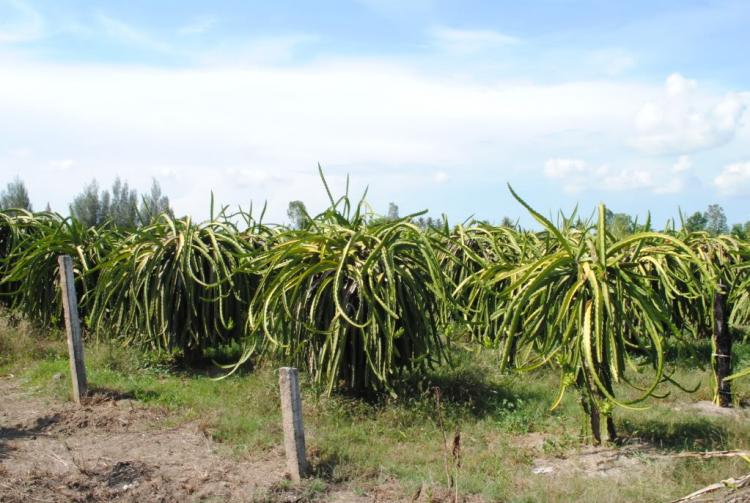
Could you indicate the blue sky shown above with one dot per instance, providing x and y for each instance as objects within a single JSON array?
[{"x": 433, "y": 105}]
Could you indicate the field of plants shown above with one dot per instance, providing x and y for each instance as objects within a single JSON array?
[{"x": 366, "y": 306}]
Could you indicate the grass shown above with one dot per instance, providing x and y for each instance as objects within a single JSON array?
[{"x": 366, "y": 444}]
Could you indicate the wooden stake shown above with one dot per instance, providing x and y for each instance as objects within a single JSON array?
[
  {"x": 291, "y": 414},
  {"x": 73, "y": 327}
]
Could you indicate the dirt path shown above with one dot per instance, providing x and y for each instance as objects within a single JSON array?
[{"x": 114, "y": 449}]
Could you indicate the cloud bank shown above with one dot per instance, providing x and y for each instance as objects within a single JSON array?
[
  {"x": 678, "y": 124},
  {"x": 734, "y": 180}
]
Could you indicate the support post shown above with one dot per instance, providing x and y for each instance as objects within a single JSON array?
[
  {"x": 73, "y": 327},
  {"x": 722, "y": 345},
  {"x": 291, "y": 414}
]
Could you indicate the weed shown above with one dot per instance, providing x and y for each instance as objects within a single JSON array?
[{"x": 558, "y": 446}]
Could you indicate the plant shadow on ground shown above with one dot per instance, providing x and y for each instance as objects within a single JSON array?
[
  {"x": 18, "y": 431},
  {"x": 466, "y": 393},
  {"x": 325, "y": 465},
  {"x": 696, "y": 434},
  {"x": 207, "y": 367},
  {"x": 471, "y": 392},
  {"x": 216, "y": 362}
]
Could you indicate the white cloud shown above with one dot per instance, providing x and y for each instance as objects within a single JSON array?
[
  {"x": 170, "y": 171},
  {"x": 268, "y": 50},
  {"x": 579, "y": 177},
  {"x": 465, "y": 42},
  {"x": 684, "y": 163},
  {"x": 678, "y": 185},
  {"x": 378, "y": 121},
  {"x": 21, "y": 23},
  {"x": 62, "y": 165},
  {"x": 259, "y": 51},
  {"x": 627, "y": 179},
  {"x": 126, "y": 34},
  {"x": 574, "y": 188},
  {"x": 198, "y": 26},
  {"x": 613, "y": 62},
  {"x": 441, "y": 177},
  {"x": 562, "y": 168},
  {"x": 676, "y": 125},
  {"x": 21, "y": 152},
  {"x": 680, "y": 179},
  {"x": 734, "y": 179}
]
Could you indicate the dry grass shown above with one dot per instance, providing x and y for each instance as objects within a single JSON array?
[{"x": 22, "y": 341}]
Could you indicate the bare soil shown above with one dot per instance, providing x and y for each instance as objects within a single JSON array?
[
  {"x": 586, "y": 461},
  {"x": 114, "y": 449},
  {"x": 707, "y": 408}
]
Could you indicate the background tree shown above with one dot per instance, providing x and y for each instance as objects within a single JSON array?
[
  {"x": 123, "y": 208},
  {"x": 609, "y": 215},
  {"x": 104, "y": 206},
  {"x": 738, "y": 230},
  {"x": 297, "y": 213},
  {"x": 621, "y": 225},
  {"x": 392, "y": 212},
  {"x": 154, "y": 204},
  {"x": 392, "y": 216},
  {"x": 741, "y": 230},
  {"x": 425, "y": 223},
  {"x": 507, "y": 222},
  {"x": 716, "y": 220},
  {"x": 88, "y": 207},
  {"x": 580, "y": 224},
  {"x": 696, "y": 222},
  {"x": 15, "y": 196}
]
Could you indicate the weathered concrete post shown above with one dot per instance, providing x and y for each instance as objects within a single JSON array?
[
  {"x": 73, "y": 326},
  {"x": 291, "y": 414}
]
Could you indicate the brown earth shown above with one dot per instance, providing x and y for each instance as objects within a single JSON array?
[{"x": 114, "y": 449}]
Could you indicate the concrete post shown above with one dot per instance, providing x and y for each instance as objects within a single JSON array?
[
  {"x": 73, "y": 327},
  {"x": 291, "y": 413}
]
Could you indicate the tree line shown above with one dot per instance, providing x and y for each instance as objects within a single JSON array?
[
  {"x": 122, "y": 206},
  {"x": 713, "y": 221},
  {"x": 93, "y": 207},
  {"x": 299, "y": 218}
]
